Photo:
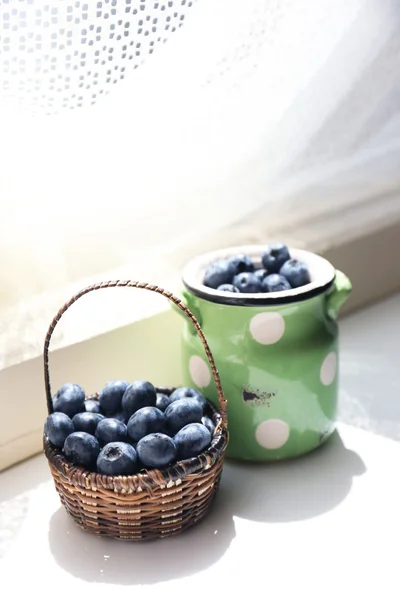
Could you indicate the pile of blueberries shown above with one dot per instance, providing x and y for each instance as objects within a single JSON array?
[
  {"x": 130, "y": 427},
  {"x": 238, "y": 274}
]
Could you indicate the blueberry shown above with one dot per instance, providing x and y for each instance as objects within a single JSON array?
[
  {"x": 120, "y": 416},
  {"x": 57, "y": 428},
  {"x": 181, "y": 413},
  {"x": 186, "y": 392},
  {"x": 87, "y": 421},
  {"x": 191, "y": 440},
  {"x": 228, "y": 287},
  {"x": 111, "y": 430},
  {"x": 81, "y": 448},
  {"x": 92, "y": 406},
  {"x": 247, "y": 283},
  {"x": 156, "y": 450},
  {"x": 69, "y": 399},
  {"x": 219, "y": 272},
  {"x": 117, "y": 458},
  {"x": 275, "y": 283},
  {"x": 146, "y": 420},
  {"x": 241, "y": 264},
  {"x": 110, "y": 396},
  {"x": 274, "y": 257},
  {"x": 207, "y": 422},
  {"x": 261, "y": 274},
  {"x": 137, "y": 395},
  {"x": 162, "y": 401},
  {"x": 296, "y": 272}
]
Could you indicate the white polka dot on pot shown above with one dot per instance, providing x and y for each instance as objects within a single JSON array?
[
  {"x": 272, "y": 434},
  {"x": 267, "y": 327},
  {"x": 328, "y": 369},
  {"x": 199, "y": 371}
]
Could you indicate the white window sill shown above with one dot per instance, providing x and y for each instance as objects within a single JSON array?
[
  {"x": 342, "y": 498},
  {"x": 358, "y": 238},
  {"x": 337, "y": 505}
]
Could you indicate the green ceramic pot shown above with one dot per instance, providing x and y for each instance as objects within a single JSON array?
[{"x": 277, "y": 355}]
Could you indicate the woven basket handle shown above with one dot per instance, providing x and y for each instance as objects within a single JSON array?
[{"x": 145, "y": 286}]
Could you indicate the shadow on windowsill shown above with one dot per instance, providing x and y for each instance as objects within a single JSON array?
[
  {"x": 293, "y": 490},
  {"x": 102, "y": 560},
  {"x": 282, "y": 492}
]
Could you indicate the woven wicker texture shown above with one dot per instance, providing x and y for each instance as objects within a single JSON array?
[{"x": 154, "y": 503}]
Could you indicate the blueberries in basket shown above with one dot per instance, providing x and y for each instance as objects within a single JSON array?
[
  {"x": 247, "y": 283},
  {"x": 218, "y": 273},
  {"x": 156, "y": 450},
  {"x": 207, "y": 422},
  {"x": 69, "y": 399},
  {"x": 81, "y": 448},
  {"x": 138, "y": 395},
  {"x": 275, "y": 283},
  {"x": 117, "y": 458},
  {"x": 92, "y": 406},
  {"x": 274, "y": 257},
  {"x": 58, "y": 426},
  {"x": 111, "y": 430},
  {"x": 120, "y": 416},
  {"x": 139, "y": 434},
  {"x": 296, "y": 272},
  {"x": 228, "y": 287},
  {"x": 110, "y": 396},
  {"x": 181, "y": 413},
  {"x": 241, "y": 264},
  {"x": 87, "y": 421},
  {"x": 146, "y": 420},
  {"x": 261, "y": 274},
  {"x": 162, "y": 401},
  {"x": 191, "y": 440},
  {"x": 186, "y": 392}
]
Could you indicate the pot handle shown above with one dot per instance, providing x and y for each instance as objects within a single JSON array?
[{"x": 338, "y": 295}]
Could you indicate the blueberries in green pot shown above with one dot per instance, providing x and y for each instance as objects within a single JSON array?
[
  {"x": 218, "y": 273},
  {"x": 247, "y": 283},
  {"x": 274, "y": 257},
  {"x": 275, "y": 283},
  {"x": 228, "y": 287},
  {"x": 261, "y": 274},
  {"x": 241, "y": 264},
  {"x": 296, "y": 272}
]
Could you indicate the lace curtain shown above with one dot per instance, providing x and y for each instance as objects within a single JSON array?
[{"x": 233, "y": 110}]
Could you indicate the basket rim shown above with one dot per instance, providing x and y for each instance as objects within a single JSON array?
[{"x": 147, "y": 479}]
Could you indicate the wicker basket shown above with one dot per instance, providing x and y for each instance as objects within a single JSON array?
[{"x": 154, "y": 503}]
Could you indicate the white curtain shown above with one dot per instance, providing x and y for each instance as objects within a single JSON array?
[{"x": 250, "y": 110}]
